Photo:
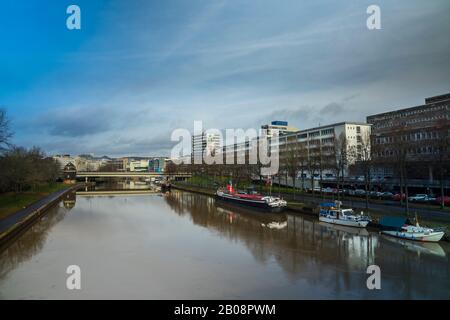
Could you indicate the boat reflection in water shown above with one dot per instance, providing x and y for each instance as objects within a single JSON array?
[
  {"x": 432, "y": 248},
  {"x": 326, "y": 255},
  {"x": 186, "y": 246}
]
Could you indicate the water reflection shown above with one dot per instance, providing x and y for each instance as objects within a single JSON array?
[
  {"x": 120, "y": 185},
  {"x": 183, "y": 245},
  {"x": 33, "y": 240},
  {"x": 303, "y": 241},
  {"x": 333, "y": 255}
]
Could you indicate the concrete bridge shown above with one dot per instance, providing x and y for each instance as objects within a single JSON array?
[{"x": 129, "y": 174}]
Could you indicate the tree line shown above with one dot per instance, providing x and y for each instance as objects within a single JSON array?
[{"x": 23, "y": 169}]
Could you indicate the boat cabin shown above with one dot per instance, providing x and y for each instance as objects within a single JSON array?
[{"x": 393, "y": 223}]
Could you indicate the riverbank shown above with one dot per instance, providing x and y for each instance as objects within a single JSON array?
[
  {"x": 15, "y": 223},
  {"x": 311, "y": 208},
  {"x": 11, "y": 202}
]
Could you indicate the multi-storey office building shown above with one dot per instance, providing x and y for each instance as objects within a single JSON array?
[
  {"x": 316, "y": 146},
  {"x": 321, "y": 143},
  {"x": 157, "y": 164},
  {"x": 140, "y": 165},
  {"x": 418, "y": 136},
  {"x": 205, "y": 142}
]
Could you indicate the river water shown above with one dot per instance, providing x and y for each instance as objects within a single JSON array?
[{"x": 185, "y": 246}]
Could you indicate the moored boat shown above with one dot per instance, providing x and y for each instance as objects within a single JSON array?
[
  {"x": 331, "y": 212},
  {"x": 252, "y": 200},
  {"x": 403, "y": 228}
]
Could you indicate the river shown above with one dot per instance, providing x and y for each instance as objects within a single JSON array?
[{"x": 182, "y": 245}]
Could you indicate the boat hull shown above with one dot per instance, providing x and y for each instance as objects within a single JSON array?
[
  {"x": 348, "y": 223},
  {"x": 417, "y": 236},
  {"x": 257, "y": 205}
]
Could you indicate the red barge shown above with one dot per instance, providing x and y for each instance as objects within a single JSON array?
[{"x": 253, "y": 200}]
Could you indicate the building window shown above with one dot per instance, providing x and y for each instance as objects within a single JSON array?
[{"x": 327, "y": 131}]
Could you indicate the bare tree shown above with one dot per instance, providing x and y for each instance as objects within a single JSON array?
[
  {"x": 401, "y": 161},
  {"x": 441, "y": 150},
  {"x": 5, "y": 133},
  {"x": 314, "y": 161},
  {"x": 343, "y": 156},
  {"x": 109, "y": 167},
  {"x": 23, "y": 169},
  {"x": 365, "y": 163},
  {"x": 170, "y": 168},
  {"x": 291, "y": 161},
  {"x": 302, "y": 162}
]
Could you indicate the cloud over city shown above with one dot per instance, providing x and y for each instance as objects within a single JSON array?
[{"x": 138, "y": 70}]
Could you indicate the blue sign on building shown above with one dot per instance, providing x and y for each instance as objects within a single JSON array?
[{"x": 279, "y": 123}]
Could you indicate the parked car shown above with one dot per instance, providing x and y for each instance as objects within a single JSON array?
[
  {"x": 399, "y": 196},
  {"x": 327, "y": 190},
  {"x": 387, "y": 195},
  {"x": 316, "y": 189},
  {"x": 446, "y": 200},
  {"x": 375, "y": 194},
  {"x": 421, "y": 198},
  {"x": 360, "y": 192}
]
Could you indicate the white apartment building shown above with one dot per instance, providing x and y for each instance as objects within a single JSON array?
[
  {"x": 209, "y": 142},
  {"x": 357, "y": 137},
  {"x": 139, "y": 165},
  {"x": 325, "y": 137}
]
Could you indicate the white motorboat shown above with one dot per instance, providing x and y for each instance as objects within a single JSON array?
[
  {"x": 417, "y": 233},
  {"x": 331, "y": 212},
  {"x": 401, "y": 228}
]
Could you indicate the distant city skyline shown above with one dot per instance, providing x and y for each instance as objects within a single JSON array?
[{"x": 138, "y": 70}]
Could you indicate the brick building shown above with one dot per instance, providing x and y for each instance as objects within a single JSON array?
[{"x": 417, "y": 136}]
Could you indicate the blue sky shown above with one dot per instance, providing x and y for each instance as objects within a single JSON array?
[{"x": 139, "y": 69}]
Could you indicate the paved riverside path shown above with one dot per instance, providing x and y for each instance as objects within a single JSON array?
[{"x": 20, "y": 215}]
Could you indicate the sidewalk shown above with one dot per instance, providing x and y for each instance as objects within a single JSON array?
[{"x": 7, "y": 224}]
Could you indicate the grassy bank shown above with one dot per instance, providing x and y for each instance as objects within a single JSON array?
[{"x": 11, "y": 202}]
